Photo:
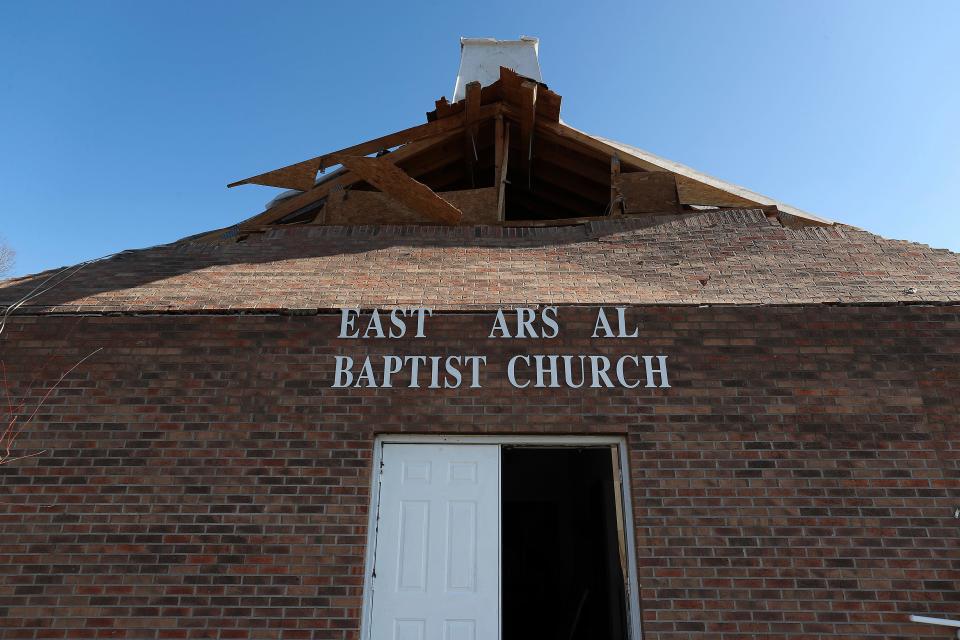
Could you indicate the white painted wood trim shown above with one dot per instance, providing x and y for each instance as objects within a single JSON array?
[
  {"x": 941, "y": 622},
  {"x": 633, "y": 597},
  {"x": 533, "y": 440}
]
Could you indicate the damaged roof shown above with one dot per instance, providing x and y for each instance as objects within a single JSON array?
[
  {"x": 495, "y": 201},
  {"x": 729, "y": 257},
  {"x": 504, "y": 142}
]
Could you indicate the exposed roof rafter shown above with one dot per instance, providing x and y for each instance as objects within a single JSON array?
[
  {"x": 574, "y": 164},
  {"x": 301, "y": 176}
]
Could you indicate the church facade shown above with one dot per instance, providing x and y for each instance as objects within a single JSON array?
[{"x": 489, "y": 377}]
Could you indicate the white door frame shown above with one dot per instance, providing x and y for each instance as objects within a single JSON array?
[{"x": 633, "y": 597}]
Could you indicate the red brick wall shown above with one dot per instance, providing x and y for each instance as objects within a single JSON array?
[{"x": 201, "y": 479}]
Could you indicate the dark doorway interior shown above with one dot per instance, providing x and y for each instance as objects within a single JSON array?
[{"x": 562, "y": 577}]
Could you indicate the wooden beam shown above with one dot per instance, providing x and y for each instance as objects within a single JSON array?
[
  {"x": 471, "y": 130},
  {"x": 301, "y": 175},
  {"x": 548, "y": 105},
  {"x": 390, "y": 179},
  {"x": 503, "y": 158},
  {"x": 343, "y": 180},
  {"x": 616, "y": 200},
  {"x": 497, "y": 148},
  {"x": 528, "y": 117}
]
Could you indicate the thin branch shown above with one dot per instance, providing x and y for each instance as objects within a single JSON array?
[
  {"x": 29, "y": 455},
  {"x": 12, "y": 431},
  {"x": 57, "y": 383}
]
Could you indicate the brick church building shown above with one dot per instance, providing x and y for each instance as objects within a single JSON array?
[{"x": 487, "y": 377}]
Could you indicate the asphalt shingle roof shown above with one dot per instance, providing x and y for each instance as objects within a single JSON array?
[{"x": 717, "y": 257}]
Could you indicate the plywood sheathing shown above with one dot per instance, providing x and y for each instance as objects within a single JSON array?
[
  {"x": 656, "y": 163},
  {"x": 694, "y": 192},
  {"x": 390, "y": 179},
  {"x": 479, "y": 206},
  {"x": 648, "y": 192}
]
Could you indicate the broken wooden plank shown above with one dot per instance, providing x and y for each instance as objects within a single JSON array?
[
  {"x": 548, "y": 102},
  {"x": 510, "y": 86},
  {"x": 472, "y": 104},
  {"x": 390, "y": 179},
  {"x": 693, "y": 191},
  {"x": 342, "y": 179},
  {"x": 502, "y": 162},
  {"x": 648, "y": 192},
  {"x": 548, "y": 105},
  {"x": 488, "y": 95},
  {"x": 300, "y": 176}
]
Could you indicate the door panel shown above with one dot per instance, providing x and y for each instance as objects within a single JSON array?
[{"x": 438, "y": 543}]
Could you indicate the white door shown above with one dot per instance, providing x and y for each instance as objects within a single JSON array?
[{"x": 437, "y": 563}]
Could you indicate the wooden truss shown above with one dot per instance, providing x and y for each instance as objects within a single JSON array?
[{"x": 499, "y": 156}]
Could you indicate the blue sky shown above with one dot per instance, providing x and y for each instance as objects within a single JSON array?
[{"x": 124, "y": 121}]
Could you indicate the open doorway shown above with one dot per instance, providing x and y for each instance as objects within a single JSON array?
[
  {"x": 562, "y": 568},
  {"x": 500, "y": 538}
]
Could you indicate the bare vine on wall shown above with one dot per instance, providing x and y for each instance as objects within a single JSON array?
[{"x": 16, "y": 417}]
